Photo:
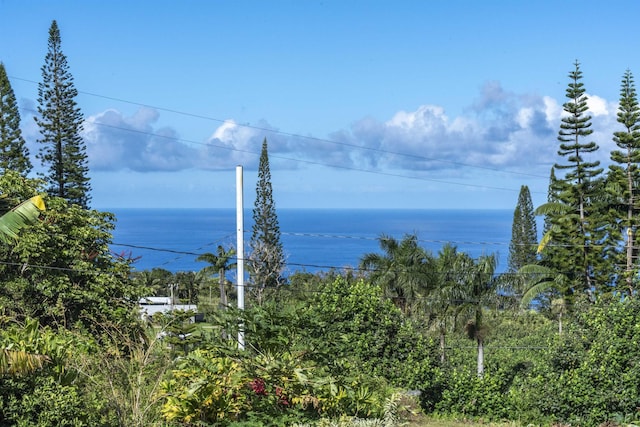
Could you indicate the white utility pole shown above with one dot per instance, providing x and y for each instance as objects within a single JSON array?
[{"x": 240, "y": 250}]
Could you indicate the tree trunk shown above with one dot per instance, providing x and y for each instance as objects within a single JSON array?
[
  {"x": 443, "y": 358},
  {"x": 630, "y": 230},
  {"x": 223, "y": 293},
  {"x": 560, "y": 324},
  {"x": 223, "y": 298},
  {"x": 480, "y": 357}
]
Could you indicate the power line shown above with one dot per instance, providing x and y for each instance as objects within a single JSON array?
[
  {"x": 309, "y": 162},
  {"x": 326, "y": 266},
  {"x": 348, "y": 237},
  {"x": 287, "y": 288},
  {"x": 177, "y": 252},
  {"x": 292, "y": 135}
]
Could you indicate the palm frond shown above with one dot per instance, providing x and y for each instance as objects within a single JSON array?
[
  {"x": 552, "y": 208},
  {"x": 534, "y": 291},
  {"x": 538, "y": 280}
]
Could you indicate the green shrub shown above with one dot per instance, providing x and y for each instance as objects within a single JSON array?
[
  {"x": 41, "y": 401},
  {"x": 469, "y": 395},
  {"x": 265, "y": 389}
]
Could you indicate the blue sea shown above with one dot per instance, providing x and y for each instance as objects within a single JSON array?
[{"x": 313, "y": 239}]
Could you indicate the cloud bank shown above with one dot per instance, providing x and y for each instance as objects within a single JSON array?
[{"x": 499, "y": 130}]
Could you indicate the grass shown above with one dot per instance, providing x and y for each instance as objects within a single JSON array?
[{"x": 410, "y": 415}]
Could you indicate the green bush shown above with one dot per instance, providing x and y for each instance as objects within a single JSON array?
[
  {"x": 265, "y": 389},
  {"x": 472, "y": 396},
  {"x": 599, "y": 379},
  {"x": 41, "y": 401}
]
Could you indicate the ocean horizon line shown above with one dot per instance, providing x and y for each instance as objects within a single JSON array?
[{"x": 312, "y": 237}]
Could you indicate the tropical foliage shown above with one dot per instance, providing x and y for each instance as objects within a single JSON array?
[{"x": 555, "y": 339}]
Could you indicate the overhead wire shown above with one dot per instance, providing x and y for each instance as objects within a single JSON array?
[
  {"x": 325, "y": 267},
  {"x": 304, "y": 137},
  {"x": 328, "y": 269},
  {"x": 456, "y": 243},
  {"x": 288, "y": 134},
  {"x": 249, "y": 286},
  {"x": 310, "y": 162},
  {"x": 180, "y": 253}
]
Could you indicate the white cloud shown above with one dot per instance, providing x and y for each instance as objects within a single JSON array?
[
  {"x": 523, "y": 118},
  {"x": 226, "y": 133},
  {"x": 117, "y": 142},
  {"x": 230, "y": 145},
  {"x": 599, "y": 106},
  {"x": 501, "y": 131},
  {"x": 552, "y": 109}
]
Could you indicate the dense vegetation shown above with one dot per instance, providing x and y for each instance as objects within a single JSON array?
[{"x": 554, "y": 340}]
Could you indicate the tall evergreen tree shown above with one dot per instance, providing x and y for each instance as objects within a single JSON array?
[
  {"x": 624, "y": 179},
  {"x": 63, "y": 150},
  {"x": 267, "y": 255},
  {"x": 524, "y": 233},
  {"x": 573, "y": 217},
  {"x": 14, "y": 154}
]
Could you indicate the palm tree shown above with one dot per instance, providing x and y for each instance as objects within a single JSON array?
[
  {"x": 539, "y": 279},
  {"x": 187, "y": 284},
  {"x": 480, "y": 286},
  {"x": 150, "y": 281},
  {"x": 446, "y": 294},
  {"x": 219, "y": 264},
  {"x": 404, "y": 270}
]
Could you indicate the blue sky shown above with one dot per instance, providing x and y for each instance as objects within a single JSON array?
[{"x": 368, "y": 104}]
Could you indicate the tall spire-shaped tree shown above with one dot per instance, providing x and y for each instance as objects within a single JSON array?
[
  {"x": 63, "y": 150},
  {"x": 14, "y": 154},
  {"x": 624, "y": 176},
  {"x": 524, "y": 233},
  {"x": 573, "y": 217},
  {"x": 267, "y": 256}
]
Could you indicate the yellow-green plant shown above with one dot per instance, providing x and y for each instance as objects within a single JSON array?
[{"x": 206, "y": 388}]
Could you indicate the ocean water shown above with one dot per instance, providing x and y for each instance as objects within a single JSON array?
[{"x": 313, "y": 239}]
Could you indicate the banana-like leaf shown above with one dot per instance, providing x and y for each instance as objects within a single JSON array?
[
  {"x": 543, "y": 243},
  {"x": 547, "y": 238},
  {"x": 22, "y": 215}
]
